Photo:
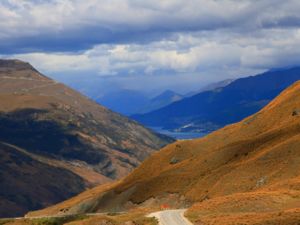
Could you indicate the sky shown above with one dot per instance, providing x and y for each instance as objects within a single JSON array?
[{"x": 151, "y": 45}]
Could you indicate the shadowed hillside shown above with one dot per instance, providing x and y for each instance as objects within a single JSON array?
[
  {"x": 36, "y": 182},
  {"x": 63, "y": 135},
  {"x": 246, "y": 170}
]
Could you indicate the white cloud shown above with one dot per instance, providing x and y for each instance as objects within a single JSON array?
[{"x": 188, "y": 53}]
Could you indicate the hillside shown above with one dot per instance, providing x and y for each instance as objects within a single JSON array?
[
  {"x": 27, "y": 183},
  {"x": 55, "y": 134},
  {"x": 245, "y": 173},
  {"x": 210, "y": 110}
]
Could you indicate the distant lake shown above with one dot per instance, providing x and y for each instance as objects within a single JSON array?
[{"x": 178, "y": 135}]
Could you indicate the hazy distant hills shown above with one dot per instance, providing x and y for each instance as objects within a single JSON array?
[
  {"x": 165, "y": 98},
  {"x": 245, "y": 173},
  {"x": 213, "y": 109},
  {"x": 55, "y": 142},
  {"x": 125, "y": 102},
  {"x": 211, "y": 86},
  {"x": 128, "y": 102},
  {"x": 220, "y": 84}
]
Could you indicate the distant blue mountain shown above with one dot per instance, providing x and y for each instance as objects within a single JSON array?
[
  {"x": 165, "y": 98},
  {"x": 126, "y": 102},
  {"x": 213, "y": 109},
  {"x": 211, "y": 86},
  {"x": 130, "y": 102}
]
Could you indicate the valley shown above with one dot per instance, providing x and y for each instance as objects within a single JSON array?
[
  {"x": 212, "y": 176},
  {"x": 129, "y": 112},
  {"x": 245, "y": 170}
]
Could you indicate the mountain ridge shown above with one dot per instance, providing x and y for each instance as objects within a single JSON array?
[
  {"x": 55, "y": 126},
  {"x": 210, "y": 110}
]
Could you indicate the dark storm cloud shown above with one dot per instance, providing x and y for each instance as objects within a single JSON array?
[
  {"x": 77, "y": 40},
  {"x": 71, "y": 26}
]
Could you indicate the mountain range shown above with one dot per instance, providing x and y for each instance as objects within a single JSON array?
[
  {"x": 128, "y": 102},
  {"x": 210, "y": 110},
  {"x": 55, "y": 142},
  {"x": 244, "y": 173}
]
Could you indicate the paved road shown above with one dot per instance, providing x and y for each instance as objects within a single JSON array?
[{"x": 171, "y": 217}]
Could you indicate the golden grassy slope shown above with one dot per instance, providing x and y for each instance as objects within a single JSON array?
[
  {"x": 254, "y": 163},
  {"x": 258, "y": 207}
]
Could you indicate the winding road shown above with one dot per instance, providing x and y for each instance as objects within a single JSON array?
[{"x": 171, "y": 217}]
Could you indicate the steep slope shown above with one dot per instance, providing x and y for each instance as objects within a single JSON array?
[
  {"x": 213, "y": 109},
  {"x": 54, "y": 125},
  {"x": 243, "y": 171}
]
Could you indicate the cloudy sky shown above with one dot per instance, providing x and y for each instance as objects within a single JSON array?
[{"x": 151, "y": 44}]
